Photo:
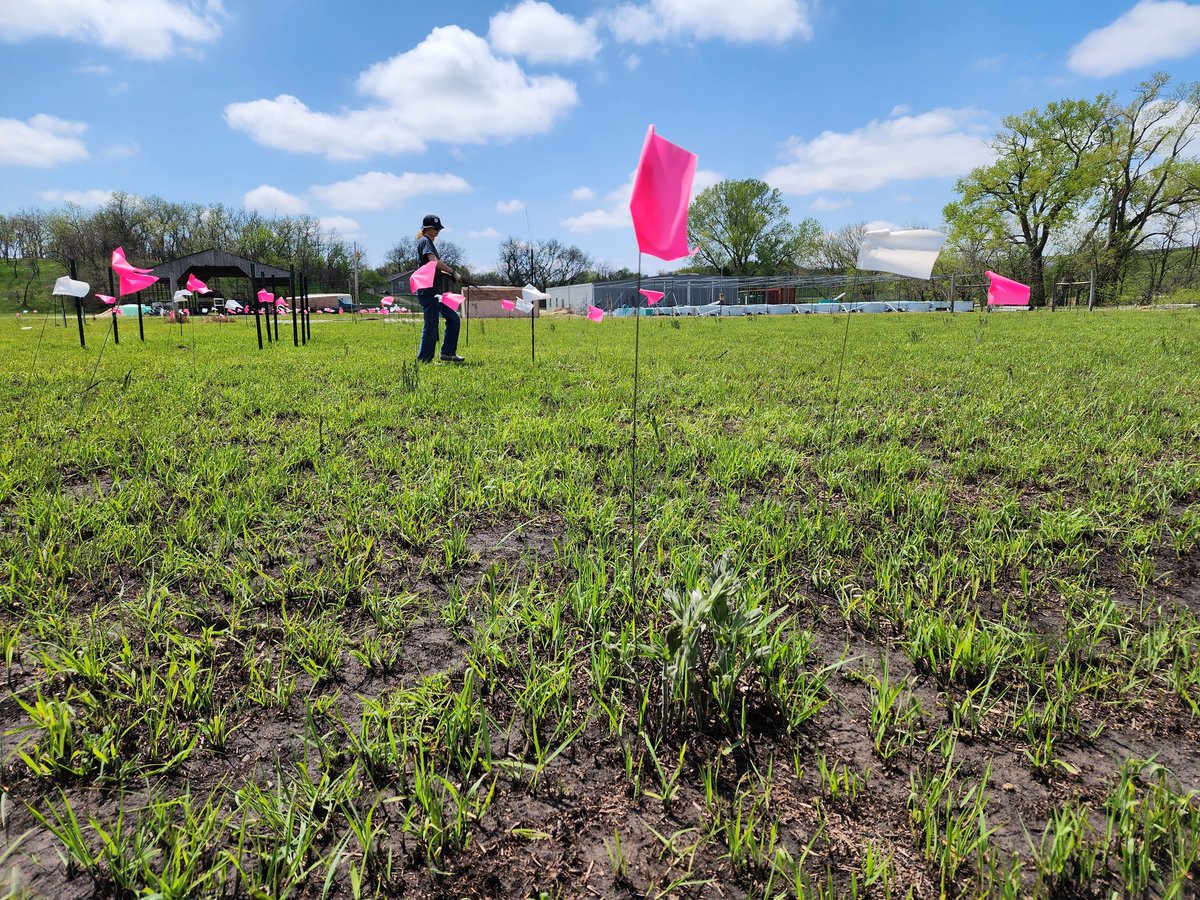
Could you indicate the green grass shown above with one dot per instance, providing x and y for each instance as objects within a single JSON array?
[
  {"x": 301, "y": 622},
  {"x": 22, "y": 288}
]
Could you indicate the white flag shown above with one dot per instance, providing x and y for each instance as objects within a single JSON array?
[
  {"x": 69, "y": 287},
  {"x": 910, "y": 253},
  {"x": 522, "y": 305},
  {"x": 180, "y": 296},
  {"x": 529, "y": 292}
]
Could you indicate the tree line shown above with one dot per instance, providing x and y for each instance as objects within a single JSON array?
[
  {"x": 153, "y": 230},
  {"x": 1079, "y": 186}
]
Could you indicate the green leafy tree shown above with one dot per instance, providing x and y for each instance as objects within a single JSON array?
[
  {"x": 1151, "y": 175},
  {"x": 741, "y": 227},
  {"x": 1049, "y": 166}
]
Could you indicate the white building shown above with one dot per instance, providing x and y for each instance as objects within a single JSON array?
[{"x": 571, "y": 296}]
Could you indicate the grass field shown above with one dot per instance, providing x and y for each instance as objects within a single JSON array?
[{"x": 302, "y": 623}]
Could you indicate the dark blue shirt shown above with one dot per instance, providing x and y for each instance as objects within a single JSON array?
[{"x": 425, "y": 249}]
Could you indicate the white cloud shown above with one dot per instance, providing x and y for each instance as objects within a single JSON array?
[
  {"x": 825, "y": 204},
  {"x": 147, "y": 29},
  {"x": 487, "y": 234},
  {"x": 79, "y": 198},
  {"x": 42, "y": 141},
  {"x": 340, "y": 224},
  {"x": 747, "y": 21},
  {"x": 123, "y": 150},
  {"x": 449, "y": 88},
  {"x": 941, "y": 143},
  {"x": 382, "y": 190},
  {"x": 1153, "y": 30},
  {"x": 94, "y": 69},
  {"x": 273, "y": 201},
  {"x": 510, "y": 206},
  {"x": 541, "y": 34},
  {"x": 582, "y": 193},
  {"x": 615, "y": 212},
  {"x": 632, "y": 61}
]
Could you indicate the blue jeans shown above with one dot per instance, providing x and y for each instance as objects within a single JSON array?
[{"x": 429, "y": 334}]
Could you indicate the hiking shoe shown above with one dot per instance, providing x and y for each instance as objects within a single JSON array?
[{"x": 453, "y": 359}]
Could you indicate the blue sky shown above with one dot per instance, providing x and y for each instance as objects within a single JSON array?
[{"x": 369, "y": 114}]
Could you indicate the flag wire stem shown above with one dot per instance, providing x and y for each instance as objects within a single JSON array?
[
  {"x": 837, "y": 393},
  {"x": 90, "y": 384},
  {"x": 633, "y": 468}
]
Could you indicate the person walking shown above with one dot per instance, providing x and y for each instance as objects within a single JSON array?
[{"x": 431, "y": 305}]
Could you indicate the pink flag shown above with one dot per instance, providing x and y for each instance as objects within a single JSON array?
[
  {"x": 108, "y": 301},
  {"x": 652, "y": 297},
  {"x": 132, "y": 282},
  {"x": 423, "y": 277},
  {"x": 265, "y": 296},
  {"x": 328, "y": 310},
  {"x": 119, "y": 262},
  {"x": 507, "y": 304},
  {"x": 388, "y": 301},
  {"x": 596, "y": 314},
  {"x": 132, "y": 278},
  {"x": 662, "y": 189},
  {"x": 341, "y": 312},
  {"x": 452, "y": 300},
  {"x": 195, "y": 284},
  {"x": 1006, "y": 292}
]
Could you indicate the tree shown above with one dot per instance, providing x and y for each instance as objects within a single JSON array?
[
  {"x": 1150, "y": 176},
  {"x": 741, "y": 227},
  {"x": 542, "y": 263},
  {"x": 1049, "y": 165},
  {"x": 837, "y": 251},
  {"x": 403, "y": 255}
]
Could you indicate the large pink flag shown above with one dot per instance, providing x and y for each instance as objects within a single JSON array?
[
  {"x": 1006, "y": 292},
  {"x": 507, "y": 304},
  {"x": 119, "y": 262},
  {"x": 423, "y": 277},
  {"x": 662, "y": 190},
  {"x": 132, "y": 282},
  {"x": 132, "y": 278},
  {"x": 106, "y": 300},
  {"x": 265, "y": 296},
  {"x": 195, "y": 284},
  {"x": 652, "y": 297},
  {"x": 387, "y": 301},
  {"x": 452, "y": 300},
  {"x": 596, "y": 314}
]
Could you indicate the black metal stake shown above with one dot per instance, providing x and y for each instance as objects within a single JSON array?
[
  {"x": 141, "y": 328},
  {"x": 307, "y": 306},
  {"x": 254, "y": 300},
  {"x": 532, "y": 330},
  {"x": 266, "y": 312},
  {"x": 78, "y": 311},
  {"x": 292, "y": 293},
  {"x": 116, "y": 308},
  {"x": 468, "y": 329}
]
